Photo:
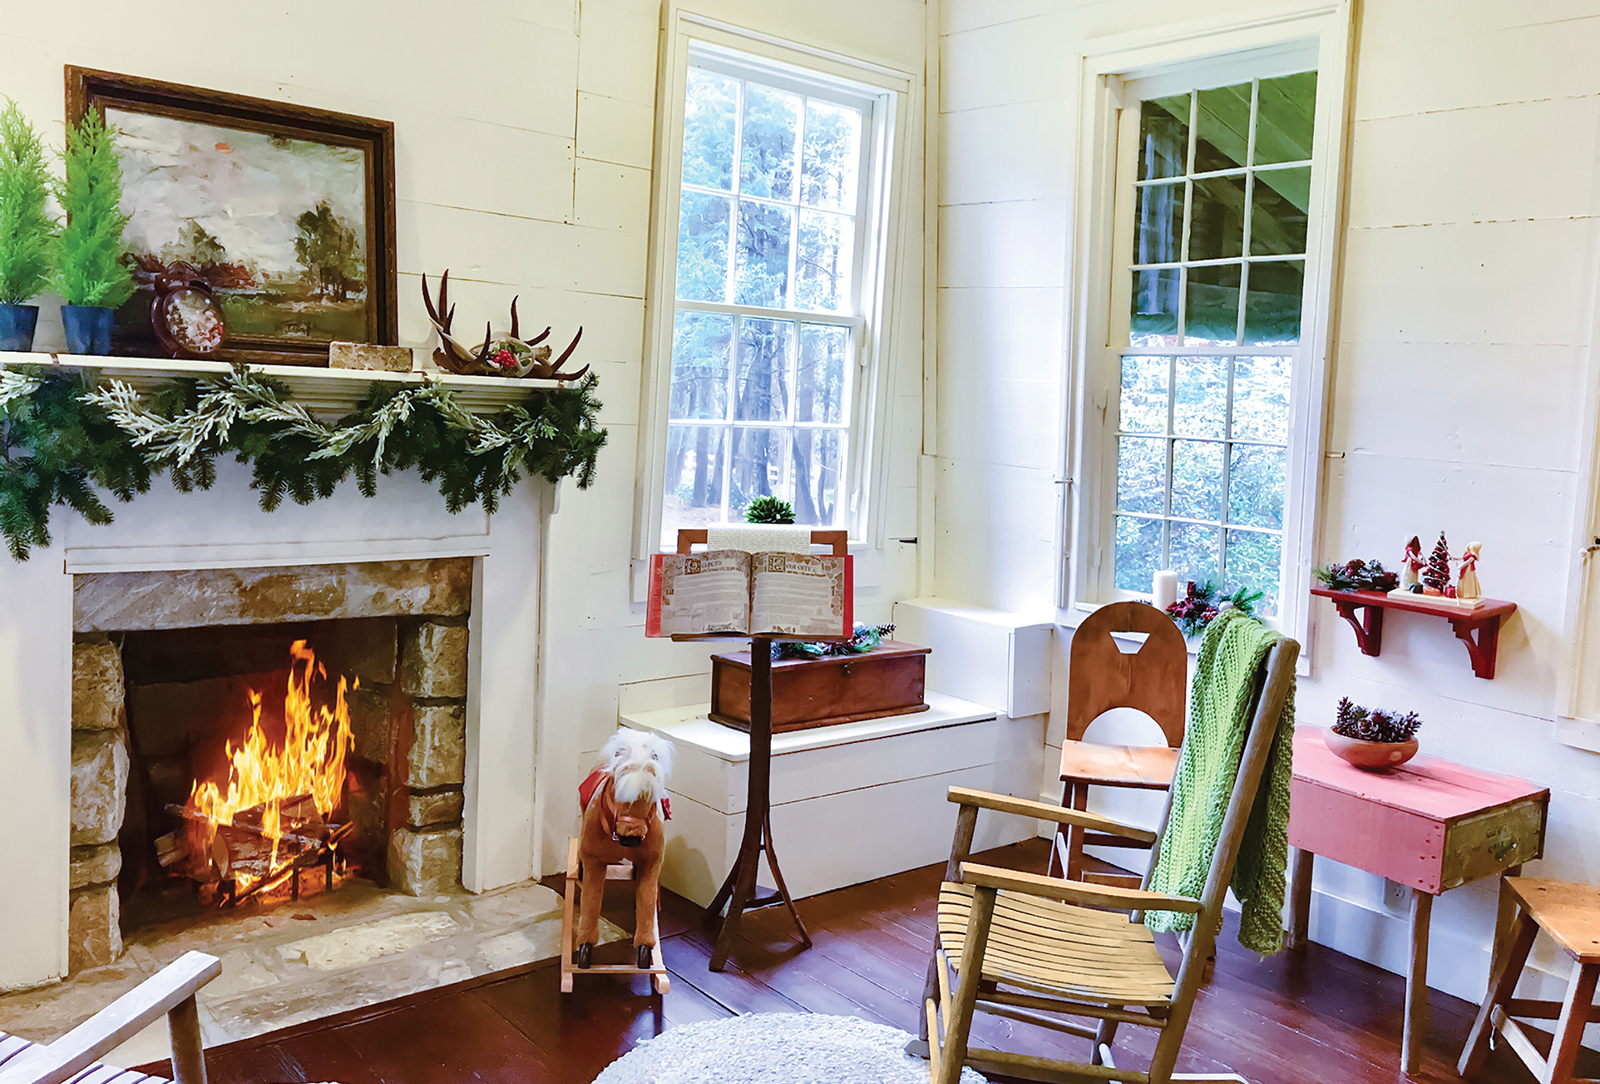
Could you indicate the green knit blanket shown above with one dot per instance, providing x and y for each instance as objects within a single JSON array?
[{"x": 1219, "y": 721}]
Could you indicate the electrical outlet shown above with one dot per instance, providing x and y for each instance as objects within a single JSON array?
[{"x": 1396, "y": 897}]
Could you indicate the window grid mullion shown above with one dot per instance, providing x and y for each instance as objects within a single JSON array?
[
  {"x": 1171, "y": 450},
  {"x": 731, "y": 276}
]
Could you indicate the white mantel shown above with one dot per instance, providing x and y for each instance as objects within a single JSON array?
[{"x": 225, "y": 528}]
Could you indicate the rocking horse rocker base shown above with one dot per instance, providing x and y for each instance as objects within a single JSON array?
[{"x": 572, "y": 953}]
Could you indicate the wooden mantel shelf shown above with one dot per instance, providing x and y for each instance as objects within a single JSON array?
[
  {"x": 1478, "y": 628},
  {"x": 320, "y": 390}
]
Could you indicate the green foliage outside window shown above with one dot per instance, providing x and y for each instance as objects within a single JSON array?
[{"x": 27, "y": 232}]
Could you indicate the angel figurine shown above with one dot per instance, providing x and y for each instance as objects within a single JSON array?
[
  {"x": 1467, "y": 581},
  {"x": 1411, "y": 564}
]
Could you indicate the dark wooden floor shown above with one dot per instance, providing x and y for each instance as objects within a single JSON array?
[{"x": 1312, "y": 1017}]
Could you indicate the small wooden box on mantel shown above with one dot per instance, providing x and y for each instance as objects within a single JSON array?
[{"x": 806, "y": 693}]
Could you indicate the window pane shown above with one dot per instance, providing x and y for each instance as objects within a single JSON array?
[
  {"x": 821, "y": 386},
  {"x": 1287, "y": 110},
  {"x": 1252, "y": 561},
  {"x": 700, "y": 366},
  {"x": 1255, "y": 486},
  {"x": 1200, "y": 405},
  {"x": 1153, "y": 320},
  {"x": 1272, "y": 311},
  {"x": 1212, "y": 316},
  {"x": 703, "y": 247},
  {"x": 1216, "y": 230},
  {"x": 771, "y": 120},
  {"x": 818, "y": 467},
  {"x": 1261, "y": 399},
  {"x": 1278, "y": 212},
  {"x": 1141, "y": 474},
  {"x": 1194, "y": 553},
  {"x": 822, "y": 266},
  {"x": 710, "y": 103},
  {"x": 1222, "y": 135},
  {"x": 759, "y": 468},
  {"x": 1163, "y": 141},
  {"x": 1138, "y": 552},
  {"x": 1144, "y": 395},
  {"x": 1158, "y": 232},
  {"x": 763, "y": 382},
  {"x": 693, "y": 479},
  {"x": 763, "y": 256},
  {"x": 1197, "y": 480},
  {"x": 832, "y": 156}
]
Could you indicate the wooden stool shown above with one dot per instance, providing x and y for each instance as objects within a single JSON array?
[{"x": 1570, "y": 913}]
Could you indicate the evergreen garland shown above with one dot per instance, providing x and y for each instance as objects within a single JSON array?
[
  {"x": 61, "y": 435},
  {"x": 27, "y": 232},
  {"x": 90, "y": 270}
]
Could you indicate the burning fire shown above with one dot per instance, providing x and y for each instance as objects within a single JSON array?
[{"x": 263, "y": 776}]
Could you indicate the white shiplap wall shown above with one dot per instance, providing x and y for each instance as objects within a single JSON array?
[{"x": 1459, "y": 382}]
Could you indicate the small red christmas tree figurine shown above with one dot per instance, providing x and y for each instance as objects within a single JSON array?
[{"x": 1437, "y": 575}]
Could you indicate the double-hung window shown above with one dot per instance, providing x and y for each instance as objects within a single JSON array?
[
  {"x": 1209, "y": 295},
  {"x": 1211, "y": 218},
  {"x": 774, "y": 281}
]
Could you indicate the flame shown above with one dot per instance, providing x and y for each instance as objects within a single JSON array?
[{"x": 310, "y": 760}]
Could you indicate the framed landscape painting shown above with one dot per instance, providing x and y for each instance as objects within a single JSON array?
[{"x": 286, "y": 212}]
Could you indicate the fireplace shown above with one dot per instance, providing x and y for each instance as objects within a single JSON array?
[{"x": 245, "y": 760}]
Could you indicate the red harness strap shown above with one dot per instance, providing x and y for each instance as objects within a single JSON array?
[{"x": 591, "y": 784}]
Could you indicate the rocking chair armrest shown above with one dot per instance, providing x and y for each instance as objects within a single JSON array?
[
  {"x": 1078, "y": 818},
  {"x": 115, "y": 1024},
  {"x": 1093, "y": 895}
]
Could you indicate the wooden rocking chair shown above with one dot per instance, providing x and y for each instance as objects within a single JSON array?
[
  {"x": 170, "y": 992},
  {"x": 1022, "y": 946}
]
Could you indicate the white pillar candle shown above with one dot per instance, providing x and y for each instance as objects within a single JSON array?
[{"x": 1164, "y": 589}]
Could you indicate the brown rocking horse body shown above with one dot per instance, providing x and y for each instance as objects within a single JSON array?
[{"x": 623, "y": 804}]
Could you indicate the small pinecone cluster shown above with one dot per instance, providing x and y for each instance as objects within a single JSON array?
[
  {"x": 1358, "y": 575},
  {"x": 1354, "y": 721}
]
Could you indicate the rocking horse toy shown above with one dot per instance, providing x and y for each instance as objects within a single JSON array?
[{"x": 624, "y": 802}]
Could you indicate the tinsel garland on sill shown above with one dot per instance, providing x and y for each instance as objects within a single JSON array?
[{"x": 62, "y": 435}]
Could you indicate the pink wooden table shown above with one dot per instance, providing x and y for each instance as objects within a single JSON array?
[{"x": 1430, "y": 825}]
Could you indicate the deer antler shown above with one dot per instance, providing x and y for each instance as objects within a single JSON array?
[
  {"x": 455, "y": 358},
  {"x": 451, "y": 356}
]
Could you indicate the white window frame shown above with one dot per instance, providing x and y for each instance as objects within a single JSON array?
[
  {"x": 1269, "y": 41},
  {"x": 887, "y": 178}
]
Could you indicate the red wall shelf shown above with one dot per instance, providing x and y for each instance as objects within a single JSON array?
[{"x": 1478, "y": 628}]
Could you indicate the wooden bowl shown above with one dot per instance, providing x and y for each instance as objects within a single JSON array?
[{"x": 1370, "y": 755}]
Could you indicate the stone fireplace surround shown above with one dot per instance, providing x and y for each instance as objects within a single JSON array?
[
  {"x": 425, "y": 658},
  {"x": 223, "y": 529}
]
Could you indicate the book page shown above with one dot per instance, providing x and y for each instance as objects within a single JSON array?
[
  {"x": 800, "y": 594},
  {"x": 703, "y": 592}
]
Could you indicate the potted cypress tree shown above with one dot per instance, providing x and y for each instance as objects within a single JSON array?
[
  {"x": 27, "y": 232},
  {"x": 90, "y": 274}
]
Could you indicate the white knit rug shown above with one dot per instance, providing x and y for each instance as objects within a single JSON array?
[{"x": 775, "y": 1048}]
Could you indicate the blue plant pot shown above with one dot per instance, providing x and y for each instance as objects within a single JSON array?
[
  {"x": 88, "y": 328},
  {"x": 17, "y": 323}
]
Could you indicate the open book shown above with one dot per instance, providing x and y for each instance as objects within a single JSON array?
[{"x": 796, "y": 594}]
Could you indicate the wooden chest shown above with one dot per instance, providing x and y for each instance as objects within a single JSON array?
[
  {"x": 888, "y": 680},
  {"x": 1429, "y": 824}
]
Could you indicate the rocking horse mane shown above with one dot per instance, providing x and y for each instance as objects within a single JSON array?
[{"x": 639, "y": 764}]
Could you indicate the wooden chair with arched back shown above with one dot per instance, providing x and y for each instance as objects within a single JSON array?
[{"x": 1102, "y": 676}]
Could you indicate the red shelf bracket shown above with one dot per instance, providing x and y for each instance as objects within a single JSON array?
[
  {"x": 1369, "y": 627},
  {"x": 1484, "y": 647},
  {"x": 1479, "y": 629}
]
